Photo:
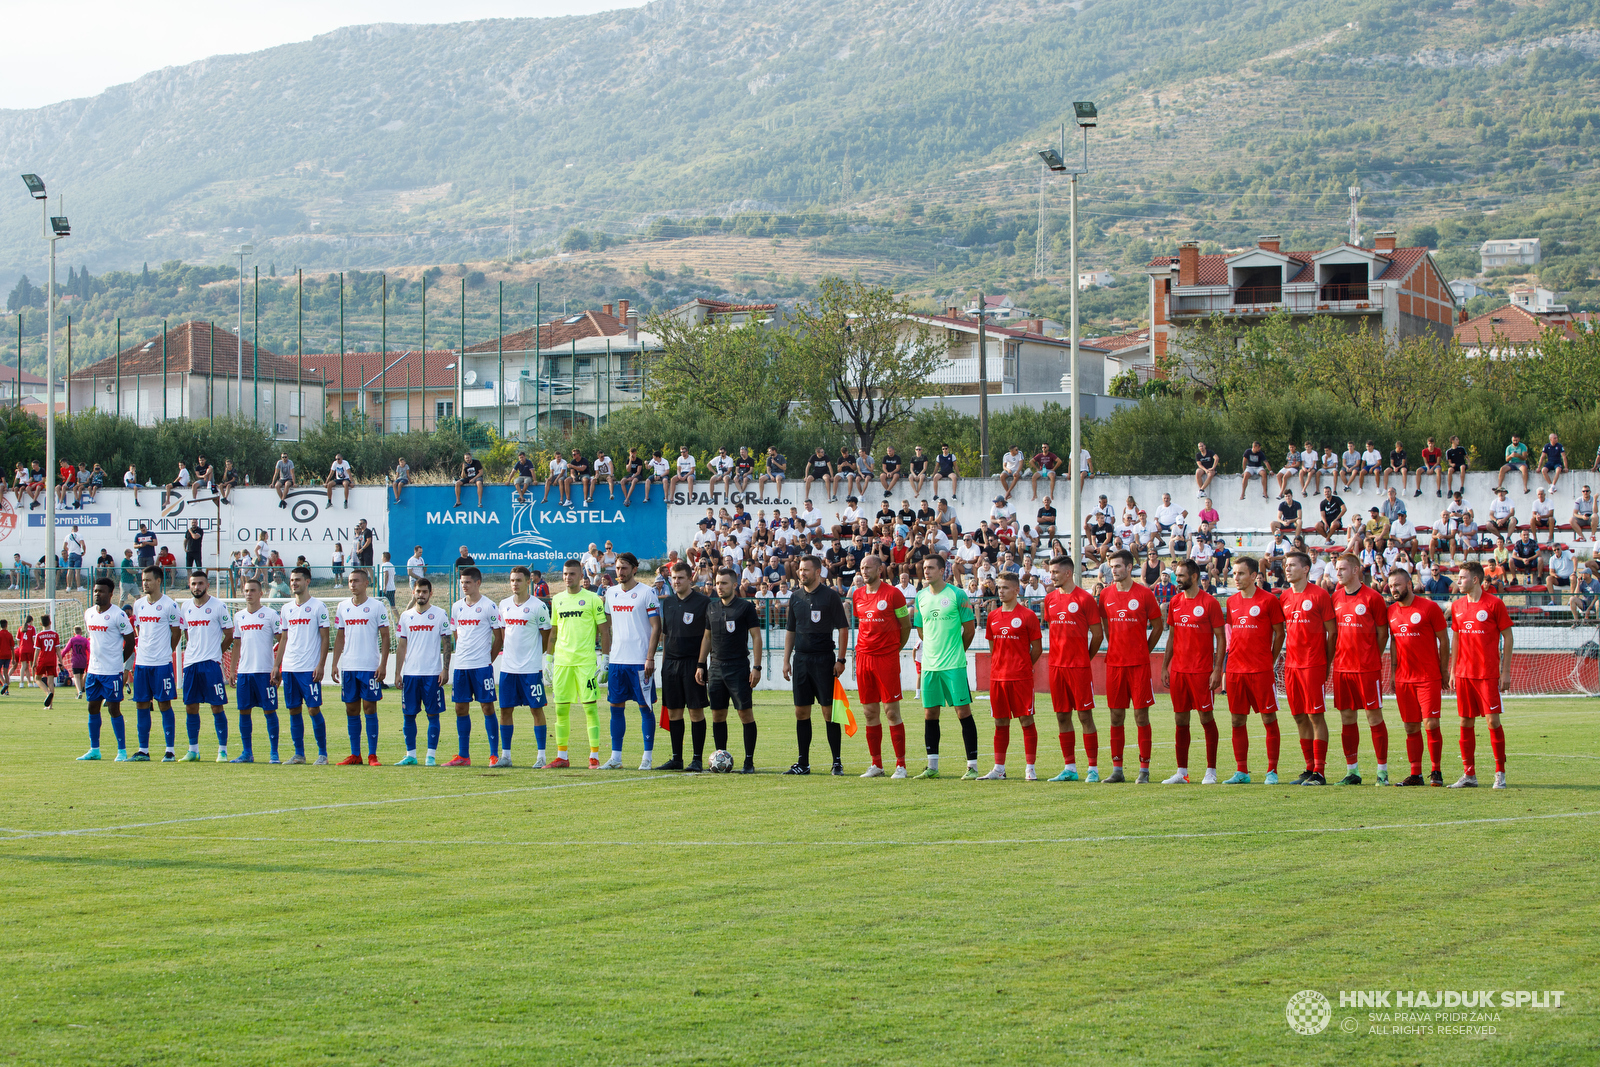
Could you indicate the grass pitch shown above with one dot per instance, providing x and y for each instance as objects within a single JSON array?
[{"x": 199, "y": 913}]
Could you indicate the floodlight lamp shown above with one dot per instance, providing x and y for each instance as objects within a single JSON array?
[
  {"x": 35, "y": 186},
  {"x": 246, "y": 250},
  {"x": 1085, "y": 113},
  {"x": 59, "y": 224},
  {"x": 1053, "y": 160}
]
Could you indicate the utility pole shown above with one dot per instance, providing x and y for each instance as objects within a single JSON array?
[
  {"x": 1040, "y": 266},
  {"x": 983, "y": 392}
]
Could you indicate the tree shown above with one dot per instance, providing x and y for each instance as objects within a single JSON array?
[
  {"x": 727, "y": 370},
  {"x": 25, "y": 295},
  {"x": 1562, "y": 371},
  {"x": 859, "y": 347},
  {"x": 1391, "y": 381}
]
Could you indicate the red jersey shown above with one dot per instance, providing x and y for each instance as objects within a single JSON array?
[
  {"x": 1357, "y": 617},
  {"x": 1250, "y": 624},
  {"x": 25, "y": 640},
  {"x": 1191, "y": 620},
  {"x": 1416, "y": 628},
  {"x": 7, "y": 644},
  {"x": 1478, "y": 625},
  {"x": 47, "y": 640},
  {"x": 1011, "y": 637},
  {"x": 1127, "y": 616},
  {"x": 1070, "y": 615},
  {"x": 878, "y": 618},
  {"x": 1304, "y": 616}
]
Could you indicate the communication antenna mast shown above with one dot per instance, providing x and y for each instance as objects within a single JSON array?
[
  {"x": 1355, "y": 215},
  {"x": 1041, "y": 264}
]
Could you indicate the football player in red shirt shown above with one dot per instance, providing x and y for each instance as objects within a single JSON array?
[
  {"x": 1308, "y": 657},
  {"x": 46, "y": 641},
  {"x": 1076, "y": 634},
  {"x": 1419, "y": 646},
  {"x": 1480, "y": 664},
  {"x": 1014, "y": 647},
  {"x": 1132, "y": 621},
  {"x": 883, "y": 623},
  {"x": 1191, "y": 669},
  {"x": 1362, "y": 622},
  {"x": 1255, "y": 637}
]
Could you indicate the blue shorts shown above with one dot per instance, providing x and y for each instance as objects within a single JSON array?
[
  {"x": 255, "y": 691},
  {"x": 154, "y": 683},
  {"x": 301, "y": 687},
  {"x": 106, "y": 687},
  {"x": 421, "y": 693},
  {"x": 522, "y": 690},
  {"x": 202, "y": 684},
  {"x": 472, "y": 683},
  {"x": 359, "y": 685},
  {"x": 626, "y": 681}
]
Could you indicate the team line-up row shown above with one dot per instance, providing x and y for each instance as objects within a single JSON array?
[{"x": 562, "y": 654}]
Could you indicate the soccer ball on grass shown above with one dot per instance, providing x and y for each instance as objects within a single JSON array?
[{"x": 721, "y": 761}]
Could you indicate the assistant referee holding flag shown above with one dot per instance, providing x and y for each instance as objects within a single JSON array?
[
  {"x": 733, "y": 627},
  {"x": 816, "y": 615}
]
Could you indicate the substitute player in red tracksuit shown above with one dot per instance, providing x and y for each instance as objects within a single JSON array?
[
  {"x": 1419, "y": 643},
  {"x": 882, "y": 624},
  {"x": 1308, "y": 657},
  {"x": 1015, "y": 644},
  {"x": 1076, "y": 634},
  {"x": 1192, "y": 667},
  {"x": 1480, "y": 665},
  {"x": 1255, "y": 637},
  {"x": 1132, "y": 621},
  {"x": 1361, "y": 620}
]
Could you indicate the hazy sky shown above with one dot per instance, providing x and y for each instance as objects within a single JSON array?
[{"x": 58, "y": 52}]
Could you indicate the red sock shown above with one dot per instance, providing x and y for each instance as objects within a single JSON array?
[
  {"x": 1274, "y": 743},
  {"x": 1119, "y": 741},
  {"x": 1146, "y": 743},
  {"x": 1380, "y": 743},
  {"x": 1030, "y": 743},
  {"x": 1002, "y": 739},
  {"x": 1469, "y": 749},
  {"x": 1183, "y": 746},
  {"x": 1319, "y": 756},
  {"x": 1435, "y": 744},
  {"x": 1091, "y": 748},
  {"x": 1067, "y": 738},
  {"x": 1307, "y": 746},
  {"x": 1211, "y": 733},
  {"x": 1351, "y": 738},
  {"x": 1414, "y": 752},
  {"x": 897, "y": 736},
  {"x": 1241, "y": 749},
  {"x": 1497, "y": 741},
  {"x": 875, "y": 744}
]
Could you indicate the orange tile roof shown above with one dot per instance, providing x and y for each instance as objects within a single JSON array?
[
  {"x": 558, "y": 333},
  {"x": 428, "y": 369},
  {"x": 1008, "y": 331},
  {"x": 195, "y": 348},
  {"x": 1508, "y": 325},
  {"x": 1213, "y": 269}
]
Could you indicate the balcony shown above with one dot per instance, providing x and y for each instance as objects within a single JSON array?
[{"x": 1264, "y": 300}]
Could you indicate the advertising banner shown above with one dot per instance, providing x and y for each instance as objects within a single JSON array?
[{"x": 502, "y": 532}]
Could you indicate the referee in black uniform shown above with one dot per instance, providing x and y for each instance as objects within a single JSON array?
[
  {"x": 812, "y": 659},
  {"x": 683, "y": 629},
  {"x": 734, "y": 627}
]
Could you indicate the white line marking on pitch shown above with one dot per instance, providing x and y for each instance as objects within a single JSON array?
[
  {"x": 885, "y": 842},
  {"x": 20, "y": 835}
]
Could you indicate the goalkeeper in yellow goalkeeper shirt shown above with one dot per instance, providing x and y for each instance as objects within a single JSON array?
[{"x": 578, "y": 619}]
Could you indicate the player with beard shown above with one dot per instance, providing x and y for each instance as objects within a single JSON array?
[
  {"x": 1015, "y": 645},
  {"x": 1133, "y": 625},
  {"x": 1419, "y": 644},
  {"x": 1191, "y": 669},
  {"x": 111, "y": 640},
  {"x": 1076, "y": 633},
  {"x": 1480, "y": 665},
  {"x": 1308, "y": 646},
  {"x": 883, "y": 622},
  {"x": 1362, "y": 620},
  {"x": 683, "y": 626},
  {"x": 422, "y": 661},
  {"x": 1255, "y": 637},
  {"x": 945, "y": 622},
  {"x": 255, "y": 631},
  {"x": 733, "y": 629}
]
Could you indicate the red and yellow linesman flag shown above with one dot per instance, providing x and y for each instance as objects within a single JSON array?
[{"x": 841, "y": 709}]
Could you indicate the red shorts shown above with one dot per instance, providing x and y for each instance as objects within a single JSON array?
[
  {"x": 1071, "y": 689},
  {"x": 1129, "y": 687},
  {"x": 1357, "y": 690},
  {"x": 1190, "y": 692},
  {"x": 1477, "y": 697},
  {"x": 48, "y": 665},
  {"x": 878, "y": 678},
  {"x": 1417, "y": 700},
  {"x": 1011, "y": 700},
  {"x": 1305, "y": 689},
  {"x": 1251, "y": 692}
]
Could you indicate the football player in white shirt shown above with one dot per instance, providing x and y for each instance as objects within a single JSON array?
[
  {"x": 155, "y": 617},
  {"x": 360, "y": 661},
  {"x": 206, "y": 625},
  {"x": 302, "y": 656},
  {"x": 423, "y": 663},
  {"x": 479, "y": 632},
  {"x": 635, "y": 613},
  {"x": 524, "y": 646},
  {"x": 111, "y": 638},
  {"x": 255, "y": 631}
]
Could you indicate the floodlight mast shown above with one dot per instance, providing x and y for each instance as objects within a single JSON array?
[{"x": 52, "y": 229}]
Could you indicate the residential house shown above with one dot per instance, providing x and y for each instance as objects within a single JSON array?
[
  {"x": 1094, "y": 279},
  {"x": 702, "y": 309},
  {"x": 197, "y": 371},
  {"x": 15, "y": 382},
  {"x": 1517, "y": 252},
  {"x": 1465, "y": 289},
  {"x": 999, "y": 309},
  {"x": 1021, "y": 357},
  {"x": 1127, "y": 352},
  {"x": 1511, "y": 328},
  {"x": 396, "y": 391},
  {"x": 1533, "y": 298}
]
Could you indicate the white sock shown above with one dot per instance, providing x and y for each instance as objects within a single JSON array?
[
  {"x": 1352, "y": 768},
  {"x": 616, "y": 754},
  {"x": 505, "y": 750},
  {"x": 1383, "y": 768},
  {"x": 541, "y": 753},
  {"x": 933, "y": 761},
  {"x": 972, "y": 764},
  {"x": 195, "y": 749},
  {"x": 1073, "y": 767},
  {"x": 1001, "y": 767},
  {"x": 1183, "y": 770},
  {"x": 433, "y": 753},
  {"x": 1029, "y": 768},
  {"x": 649, "y": 755},
  {"x": 411, "y": 753}
]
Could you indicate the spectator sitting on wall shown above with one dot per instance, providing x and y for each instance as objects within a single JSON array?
[{"x": 283, "y": 478}]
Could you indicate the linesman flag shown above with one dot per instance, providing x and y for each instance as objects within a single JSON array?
[{"x": 841, "y": 709}]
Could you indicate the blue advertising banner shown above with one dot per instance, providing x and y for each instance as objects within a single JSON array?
[{"x": 502, "y": 533}]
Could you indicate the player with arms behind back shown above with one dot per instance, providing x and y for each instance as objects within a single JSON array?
[
  {"x": 255, "y": 630},
  {"x": 945, "y": 622},
  {"x": 635, "y": 614},
  {"x": 155, "y": 617},
  {"x": 475, "y": 619},
  {"x": 1076, "y": 633},
  {"x": 423, "y": 663},
  {"x": 1419, "y": 643},
  {"x": 208, "y": 634},
  {"x": 883, "y": 622},
  {"x": 1133, "y": 624},
  {"x": 302, "y": 658},
  {"x": 360, "y": 659},
  {"x": 1255, "y": 637},
  {"x": 1362, "y": 621},
  {"x": 1015, "y": 643},
  {"x": 1308, "y": 644},
  {"x": 111, "y": 639},
  {"x": 1191, "y": 669},
  {"x": 1480, "y": 664},
  {"x": 578, "y": 619},
  {"x": 527, "y": 638},
  {"x": 732, "y": 635}
]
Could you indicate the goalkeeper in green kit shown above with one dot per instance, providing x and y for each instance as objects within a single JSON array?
[
  {"x": 944, "y": 619},
  {"x": 578, "y": 618}
]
